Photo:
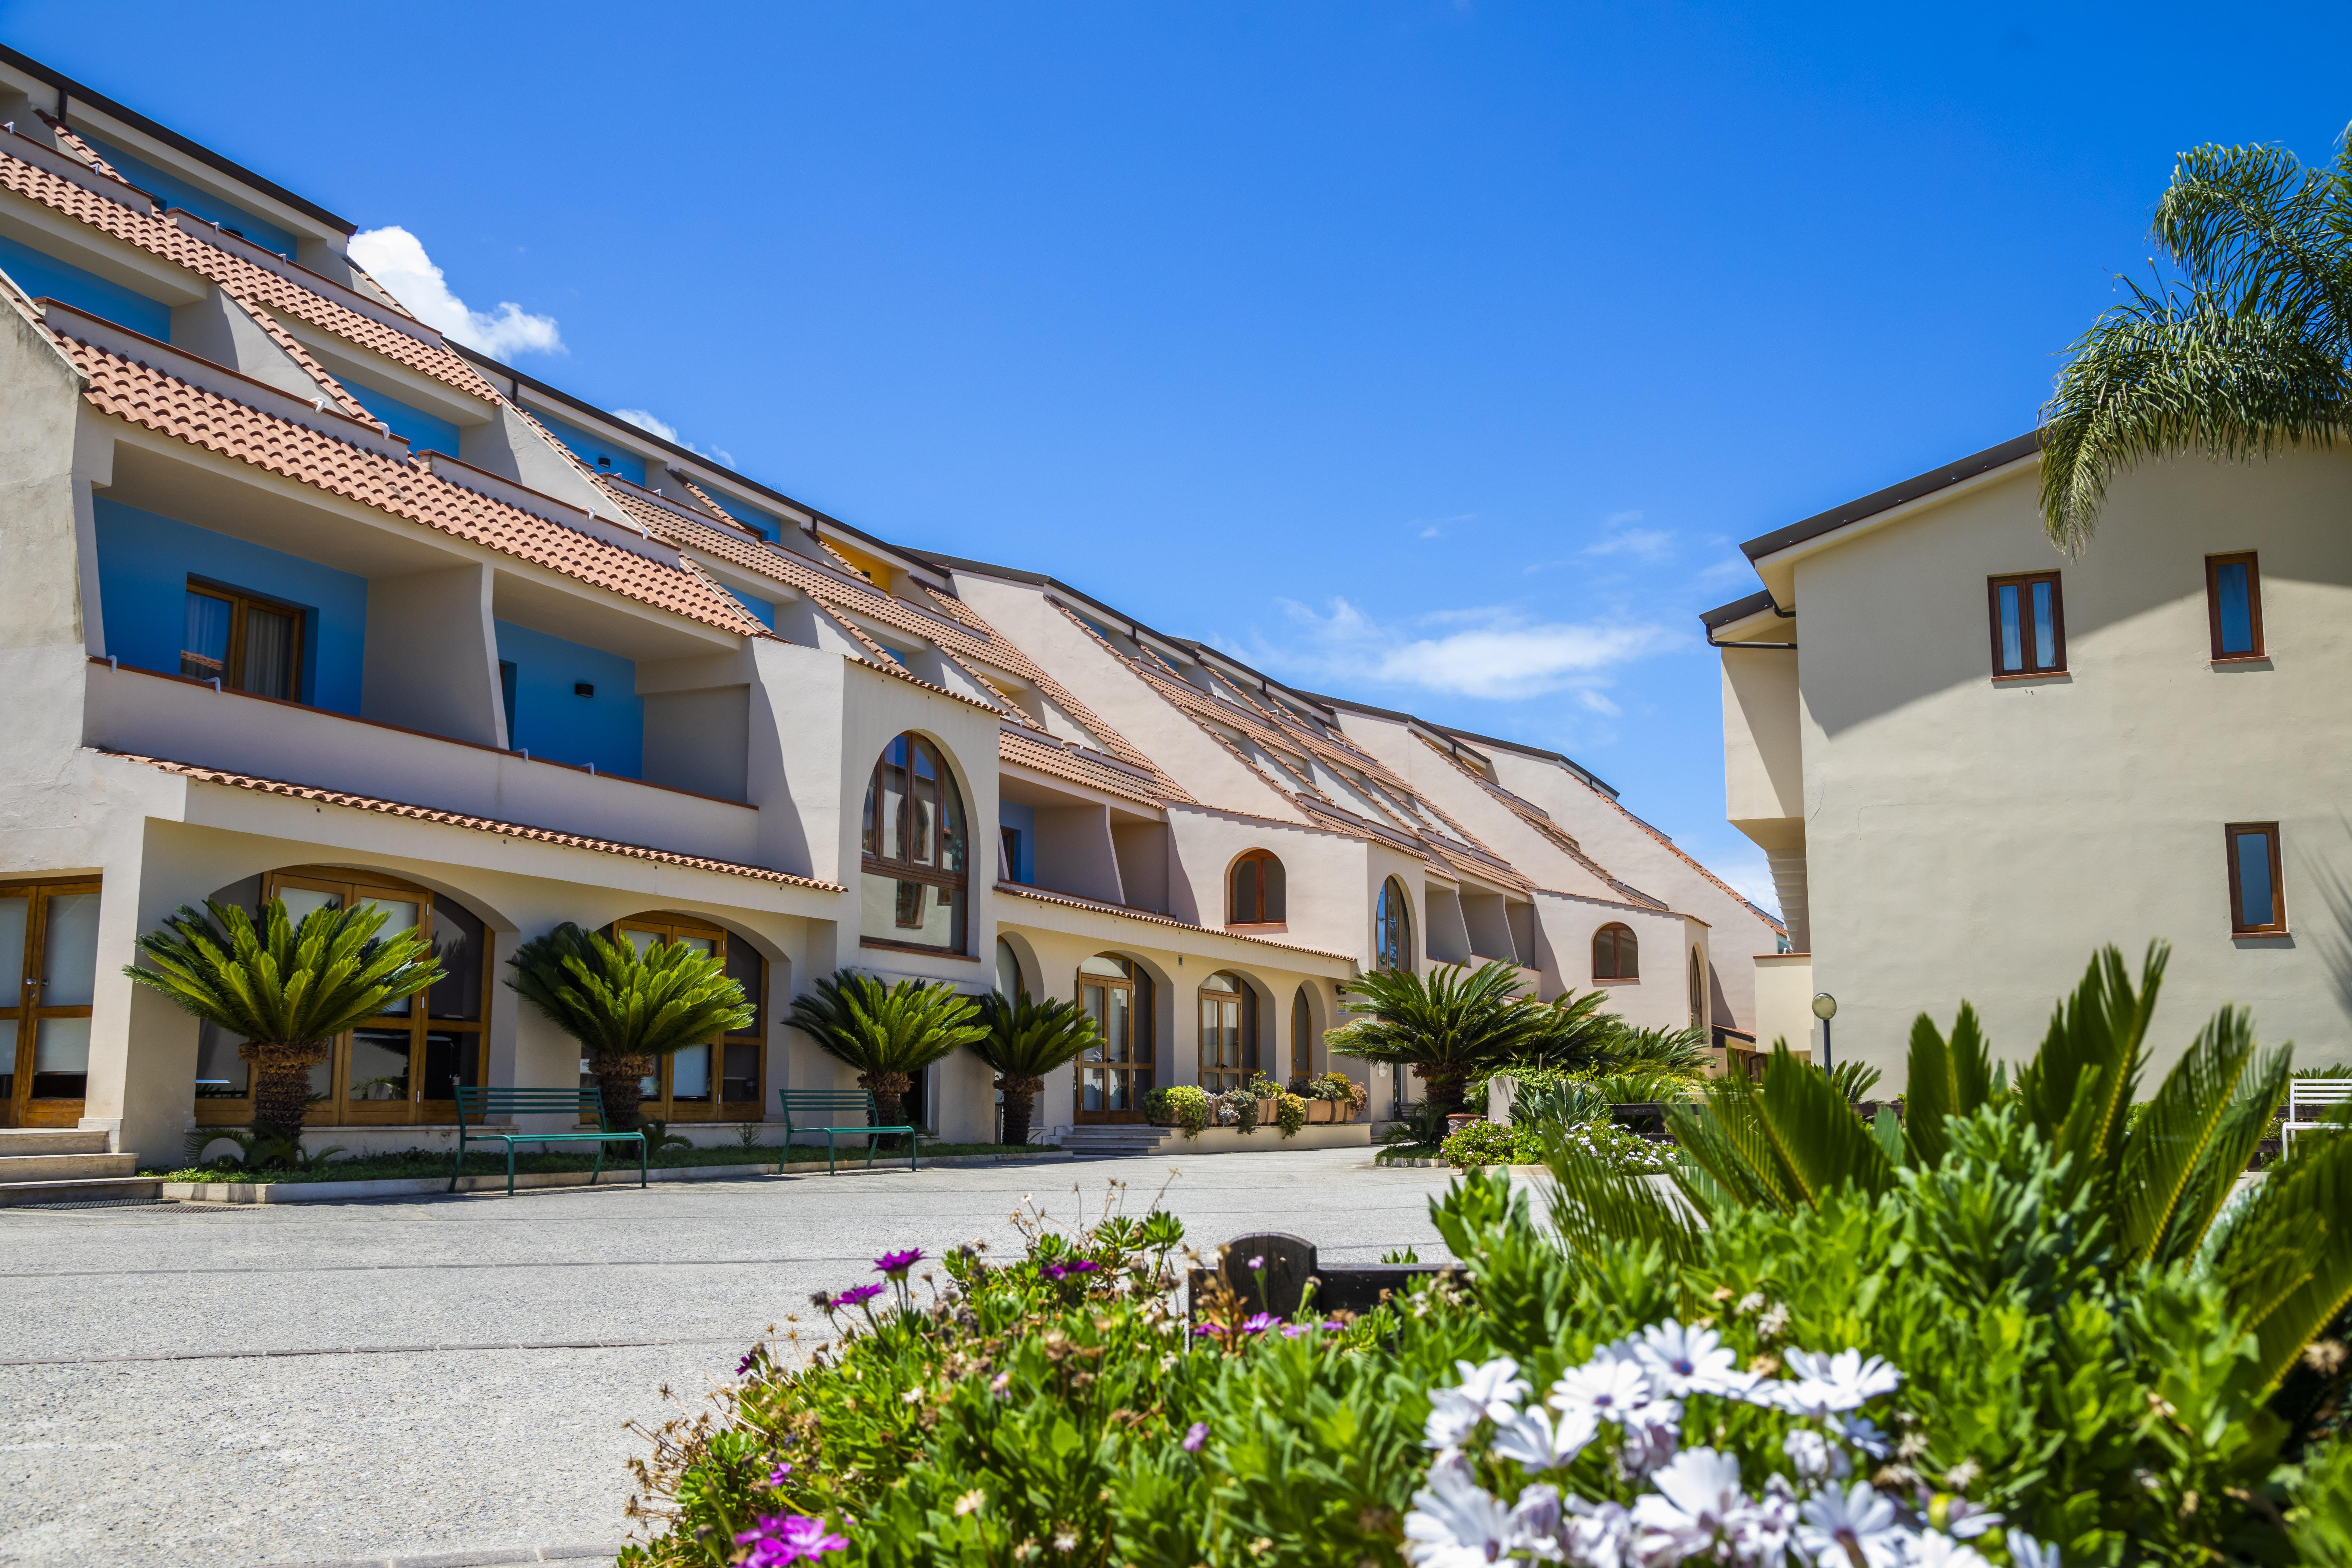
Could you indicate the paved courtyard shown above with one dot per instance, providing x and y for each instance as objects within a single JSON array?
[{"x": 334, "y": 1382}]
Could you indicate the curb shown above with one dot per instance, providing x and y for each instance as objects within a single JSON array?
[
  {"x": 437, "y": 1186},
  {"x": 476, "y": 1559}
]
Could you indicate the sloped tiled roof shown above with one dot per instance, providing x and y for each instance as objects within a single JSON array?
[
  {"x": 1048, "y": 756},
  {"x": 154, "y": 400},
  {"x": 159, "y": 235},
  {"x": 479, "y": 824},
  {"x": 1557, "y": 836},
  {"x": 1153, "y": 917}
]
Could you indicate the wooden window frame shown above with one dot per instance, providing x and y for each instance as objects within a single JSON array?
[
  {"x": 2023, "y": 581},
  {"x": 241, "y": 601},
  {"x": 2230, "y": 833},
  {"x": 1244, "y": 999},
  {"x": 20, "y": 1109},
  {"x": 1617, "y": 954},
  {"x": 1141, "y": 1055},
  {"x": 1303, "y": 1038},
  {"x": 669, "y": 924},
  {"x": 1401, "y": 919},
  {"x": 934, "y": 873},
  {"x": 1264, "y": 920},
  {"x": 2213, "y": 564}
]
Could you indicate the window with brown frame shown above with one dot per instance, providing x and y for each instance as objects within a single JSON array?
[
  {"x": 1616, "y": 954},
  {"x": 48, "y": 971},
  {"x": 718, "y": 1080},
  {"x": 1115, "y": 1074},
  {"x": 2029, "y": 625},
  {"x": 244, "y": 641},
  {"x": 1393, "y": 928},
  {"x": 2257, "y": 900},
  {"x": 1255, "y": 890},
  {"x": 2234, "y": 606},
  {"x": 915, "y": 880},
  {"x": 1228, "y": 1032}
]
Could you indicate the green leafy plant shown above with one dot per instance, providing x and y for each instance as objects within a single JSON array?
[
  {"x": 1183, "y": 1105},
  {"x": 260, "y": 1148},
  {"x": 1446, "y": 1026},
  {"x": 659, "y": 1139},
  {"x": 1025, "y": 1040},
  {"x": 289, "y": 990},
  {"x": 1482, "y": 1144},
  {"x": 625, "y": 1008},
  {"x": 2246, "y": 352},
  {"x": 1237, "y": 1108},
  {"x": 1852, "y": 1081},
  {"x": 887, "y": 1034}
]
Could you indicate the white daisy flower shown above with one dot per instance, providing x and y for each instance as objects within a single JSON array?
[
  {"x": 1691, "y": 1508},
  {"x": 1854, "y": 1528},
  {"x": 1690, "y": 1361},
  {"x": 1827, "y": 1384},
  {"x": 1535, "y": 1441},
  {"x": 1455, "y": 1522}
]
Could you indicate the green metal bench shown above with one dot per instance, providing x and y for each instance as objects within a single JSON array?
[
  {"x": 586, "y": 1104},
  {"x": 850, "y": 1111}
]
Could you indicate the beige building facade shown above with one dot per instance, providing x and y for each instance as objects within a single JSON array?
[
  {"x": 1972, "y": 758},
  {"x": 306, "y": 600}
]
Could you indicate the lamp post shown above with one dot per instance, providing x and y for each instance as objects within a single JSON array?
[{"x": 1825, "y": 1008}]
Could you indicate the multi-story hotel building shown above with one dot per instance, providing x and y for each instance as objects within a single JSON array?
[
  {"x": 303, "y": 599},
  {"x": 1973, "y": 759}
]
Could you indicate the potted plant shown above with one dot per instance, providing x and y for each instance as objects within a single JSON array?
[
  {"x": 888, "y": 1032},
  {"x": 1336, "y": 1096},
  {"x": 287, "y": 989},
  {"x": 1183, "y": 1105},
  {"x": 626, "y": 1009},
  {"x": 1266, "y": 1092},
  {"x": 1026, "y": 1040}
]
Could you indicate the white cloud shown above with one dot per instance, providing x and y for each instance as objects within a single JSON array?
[
  {"x": 644, "y": 419},
  {"x": 1495, "y": 653},
  {"x": 1644, "y": 543},
  {"x": 395, "y": 259},
  {"x": 1435, "y": 528},
  {"x": 1749, "y": 874}
]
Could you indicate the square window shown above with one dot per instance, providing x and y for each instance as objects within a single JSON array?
[
  {"x": 2234, "y": 606},
  {"x": 2257, "y": 901},
  {"x": 2029, "y": 625}
]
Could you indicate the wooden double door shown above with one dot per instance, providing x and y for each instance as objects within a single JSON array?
[
  {"x": 49, "y": 972},
  {"x": 1114, "y": 1077}
]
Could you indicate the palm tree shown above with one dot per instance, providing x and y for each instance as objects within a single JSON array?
[
  {"x": 626, "y": 1009},
  {"x": 289, "y": 990},
  {"x": 2156, "y": 1184},
  {"x": 1026, "y": 1040},
  {"x": 888, "y": 1034},
  {"x": 1449, "y": 1026},
  {"x": 2247, "y": 352}
]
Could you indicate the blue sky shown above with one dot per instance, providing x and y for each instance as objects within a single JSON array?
[{"x": 1430, "y": 354}]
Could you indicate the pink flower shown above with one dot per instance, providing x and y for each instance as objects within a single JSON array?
[
  {"x": 895, "y": 1264},
  {"x": 776, "y": 1477},
  {"x": 857, "y": 1295},
  {"x": 776, "y": 1540},
  {"x": 1194, "y": 1435},
  {"x": 1258, "y": 1322}
]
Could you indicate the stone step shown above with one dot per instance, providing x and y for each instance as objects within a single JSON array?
[
  {"x": 65, "y": 1167},
  {"x": 51, "y": 1141},
  {"x": 14, "y": 1193}
]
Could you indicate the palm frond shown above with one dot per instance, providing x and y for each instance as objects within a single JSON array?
[
  {"x": 1944, "y": 1078},
  {"x": 1598, "y": 1211},
  {"x": 2287, "y": 1256},
  {"x": 279, "y": 983},
  {"x": 2168, "y": 1147},
  {"x": 1452, "y": 1021},
  {"x": 617, "y": 1001},
  {"x": 1027, "y": 1039},
  {"x": 2078, "y": 1086},
  {"x": 1785, "y": 1144},
  {"x": 902, "y": 1028}
]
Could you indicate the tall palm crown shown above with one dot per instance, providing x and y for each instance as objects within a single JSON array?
[
  {"x": 2247, "y": 352},
  {"x": 1448, "y": 1024},
  {"x": 287, "y": 989},
  {"x": 626, "y": 1009},
  {"x": 1025, "y": 1040},
  {"x": 889, "y": 1034}
]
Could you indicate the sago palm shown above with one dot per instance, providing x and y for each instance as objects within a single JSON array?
[
  {"x": 287, "y": 989},
  {"x": 887, "y": 1034},
  {"x": 2248, "y": 351},
  {"x": 1448, "y": 1026},
  {"x": 626, "y": 1009},
  {"x": 1025, "y": 1040}
]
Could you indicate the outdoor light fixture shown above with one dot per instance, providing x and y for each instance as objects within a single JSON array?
[{"x": 1825, "y": 1008}]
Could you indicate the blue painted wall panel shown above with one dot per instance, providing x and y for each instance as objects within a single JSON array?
[
  {"x": 424, "y": 431},
  {"x": 621, "y": 463},
  {"x": 38, "y": 274},
  {"x": 1010, "y": 813},
  {"x": 552, "y": 719},
  {"x": 144, "y": 562},
  {"x": 764, "y": 609},
  {"x": 178, "y": 193}
]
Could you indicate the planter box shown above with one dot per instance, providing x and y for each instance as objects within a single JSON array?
[{"x": 1322, "y": 1110}]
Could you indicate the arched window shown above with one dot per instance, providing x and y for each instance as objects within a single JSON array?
[
  {"x": 396, "y": 1068},
  {"x": 1228, "y": 1032},
  {"x": 1114, "y": 1077},
  {"x": 1697, "y": 991},
  {"x": 1393, "y": 928},
  {"x": 1302, "y": 1036},
  {"x": 719, "y": 1079},
  {"x": 1254, "y": 891},
  {"x": 915, "y": 843},
  {"x": 1615, "y": 954}
]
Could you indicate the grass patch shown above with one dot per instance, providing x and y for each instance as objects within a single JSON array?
[{"x": 410, "y": 1164}]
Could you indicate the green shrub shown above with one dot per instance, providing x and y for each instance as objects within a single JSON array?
[
  {"x": 1486, "y": 1144},
  {"x": 1183, "y": 1105}
]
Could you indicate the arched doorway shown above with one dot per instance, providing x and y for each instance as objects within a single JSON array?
[
  {"x": 1114, "y": 1077},
  {"x": 1228, "y": 1032},
  {"x": 1303, "y": 1036},
  {"x": 1393, "y": 928},
  {"x": 718, "y": 1080}
]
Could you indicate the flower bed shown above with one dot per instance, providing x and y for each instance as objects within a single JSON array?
[
  {"x": 409, "y": 1164},
  {"x": 1518, "y": 1143}
]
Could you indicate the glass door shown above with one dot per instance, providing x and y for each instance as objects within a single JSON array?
[
  {"x": 1114, "y": 1076},
  {"x": 718, "y": 1079},
  {"x": 1227, "y": 1041},
  {"x": 48, "y": 973}
]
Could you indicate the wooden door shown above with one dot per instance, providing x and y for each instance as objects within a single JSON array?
[
  {"x": 1114, "y": 1077},
  {"x": 49, "y": 972}
]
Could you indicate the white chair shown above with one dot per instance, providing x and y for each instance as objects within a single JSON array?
[{"x": 2308, "y": 1102}]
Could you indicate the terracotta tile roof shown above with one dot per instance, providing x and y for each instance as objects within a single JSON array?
[
  {"x": 479, "y": 824},
  {"x": 156, "y": 234},
  {"x": 1559, "y": 836},
  {"x": 1153, "y": 917},
  {"x": 80, "y": 149},
  {"x": 317, "y": 371},
  {"x": 141, "y": 395},
  {"x": 1050, "y": 757}
]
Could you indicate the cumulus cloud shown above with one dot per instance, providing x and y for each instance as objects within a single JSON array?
[
  {"x": 395, "y": 259},
  {"x": 1626, "y": 539},
  {"x": 1489, "y": 653},
  {"x": 645, "y": 419},
  {"x": 1749, "y": 874}
]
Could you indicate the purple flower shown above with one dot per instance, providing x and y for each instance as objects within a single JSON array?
[
  {"x": 750, "y": 1358},
  {"x": 857, "y": 1295},
  {"x": 1194, "y": 1435},
  {"x": 776, "y": 1477},
  {"x": 1204, "y": 1330},
  {"x": 895, "y": 1264},
  {"x": 1258, "y": 1262},
  {"x": 1083, "y": 1266},
  {"x": 1292, "y": 1330},
  {"x": 779, "y": 1539},
  {"x": 1258, "y": 1322}
]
